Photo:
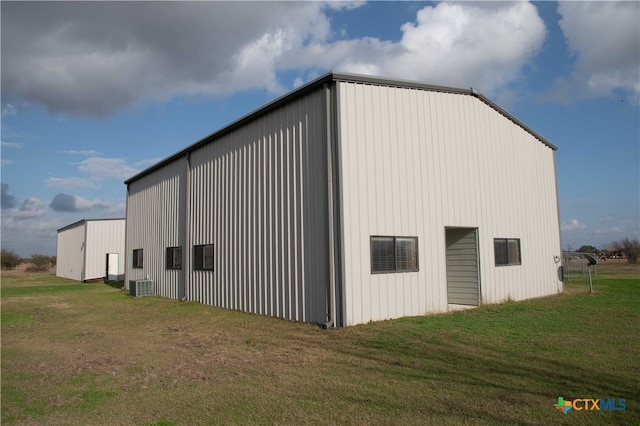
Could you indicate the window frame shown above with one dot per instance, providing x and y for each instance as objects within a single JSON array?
[
  {"x": 199, "y": 260},
  {"x": 176, "y": 254},
  {"x": 506, "y": 252},
  {"x": 137, "y": 259},
  {"x": 414, "y": 264}
]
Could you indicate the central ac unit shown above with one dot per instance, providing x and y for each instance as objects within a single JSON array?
[{"x": 140, "y": 288}]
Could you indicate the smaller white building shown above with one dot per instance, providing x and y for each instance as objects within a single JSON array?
[{"x": 91, "y": 249}]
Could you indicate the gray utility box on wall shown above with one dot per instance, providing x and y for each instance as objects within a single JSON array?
[{"x": 140, "y": 288}]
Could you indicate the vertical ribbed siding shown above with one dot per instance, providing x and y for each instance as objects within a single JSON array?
[
  {"x": 416, "y": 161},
  {"x": 259, "y": 196},
  {"x": 155, "y": 221},
  {"x": 82, "y": 248},
  {"x": 463, "y": 278},
  {"x": 102, "y": 237},
  {"x": 70, "y": 252}
]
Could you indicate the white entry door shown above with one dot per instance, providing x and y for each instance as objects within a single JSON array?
[{"x": 112, "y": 266}]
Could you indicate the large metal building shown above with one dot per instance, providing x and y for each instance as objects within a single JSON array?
[
  {"x": 92, "y": 249},
  {"x": 352, "y": 199}
]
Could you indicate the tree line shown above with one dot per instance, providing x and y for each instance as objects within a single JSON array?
[
  {"x": 630, "y": 248},
  {"x": 39, "y": 262}
]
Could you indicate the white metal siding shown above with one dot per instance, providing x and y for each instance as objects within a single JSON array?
[
  {"x": 155, "y": 221},
  {"x": 102, "y": 237},
  {"x": 414, "y": 162},
  {"x": 70, "y": 253},
  {"x": 259, "y": 195}
]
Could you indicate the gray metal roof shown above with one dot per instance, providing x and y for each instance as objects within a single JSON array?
[
  {"x": 82, "y": 221},
  {"x": 318, "y": 82}
]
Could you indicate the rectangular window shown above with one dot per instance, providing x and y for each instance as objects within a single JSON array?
[
  {"x": 507, "y": 251},
  {"x": 137, "y": 258},
  {"x": 394, "y": 254},
  {"x": 174, "y": 257},
  {"x": 203, "y": 257}
]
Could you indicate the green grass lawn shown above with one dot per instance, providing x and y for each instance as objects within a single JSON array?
[{"x": 89, "y": 354}]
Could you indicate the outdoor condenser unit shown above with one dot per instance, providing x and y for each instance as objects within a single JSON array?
[{"x": 140, "y": 288}]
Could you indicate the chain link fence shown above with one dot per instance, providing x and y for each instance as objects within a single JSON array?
[{"x": 576, "y": 266}]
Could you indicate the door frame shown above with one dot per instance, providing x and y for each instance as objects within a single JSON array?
[{"x": 476, "y": 232}]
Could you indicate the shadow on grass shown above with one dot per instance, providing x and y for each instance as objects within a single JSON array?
[
  {"x": 523, "y": 355},
  {"x": 115, "y": 284},
  {"x": 478, "y": 372}
]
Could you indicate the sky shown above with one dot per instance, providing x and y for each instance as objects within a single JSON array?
[{"x": 94, "y": 92}]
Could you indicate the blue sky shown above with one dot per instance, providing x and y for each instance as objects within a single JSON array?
[{"x": 93, "y": 92}]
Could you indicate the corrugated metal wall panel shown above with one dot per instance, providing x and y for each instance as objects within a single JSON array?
[
  {"x": 417, "y": 161},
  {"x": 155, "y": 221},
  {"x": 260, "y": 196},
  {"x": 102, "y": 237},
  {"x": 70, "y": 253},
  {"x": 463, "y": 278}
]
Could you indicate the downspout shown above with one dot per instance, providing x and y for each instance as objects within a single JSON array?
[
  {"x": 560, "y": 269},
  {"x": 83, "y": 247},
  {"x": 332, "y": 265},
  {"x": 186, "y": 265},
  {"x": 126, "y": 241}
]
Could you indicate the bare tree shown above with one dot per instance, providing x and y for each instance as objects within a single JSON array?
[{"x": 631, "y": 248}]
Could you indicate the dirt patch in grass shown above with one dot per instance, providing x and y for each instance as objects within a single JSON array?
[{"x": 576, "y": 288}]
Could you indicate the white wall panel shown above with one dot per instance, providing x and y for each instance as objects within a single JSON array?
[
  {"x": 415, "y": 161},
  {"x": 70, "y": 252},
  {"x": 82, "y": 248},
  {"x": 102, "y": 237}
]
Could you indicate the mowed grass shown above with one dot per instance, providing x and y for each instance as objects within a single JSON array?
[{"x": 90, "y": 354}]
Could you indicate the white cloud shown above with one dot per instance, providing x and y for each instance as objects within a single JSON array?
[
  {"x": 105, "y": 168},
  {"x": 20, "y": 231},
  {"x": 31, "y": 208},
  {"x": 605, "y": 38},
  {"x": 5, "y": 162},
  {"x": 90, "y": 152},
  {"x": 147, "y": 162},
  {"x": 612, "y": 230},
  {"x": 27, "y": 227},
  {"x": 455, "y": 43},
  {"x": 618, "y": 227},
  {"x": 71, "y": 182},
  {"x": 27, "y": 237},
  {"x": 9, "y": 110},
  {"x": 572, "y": 225},
  {"x": 10, "y": 144},
  {"x": 95, "y": 58},
  {"x": 98, "y": 169},
  {"x": 116, "y": 210}
]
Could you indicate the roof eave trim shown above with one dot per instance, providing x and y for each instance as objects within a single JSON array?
[{"x": 511, "y": 117}]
